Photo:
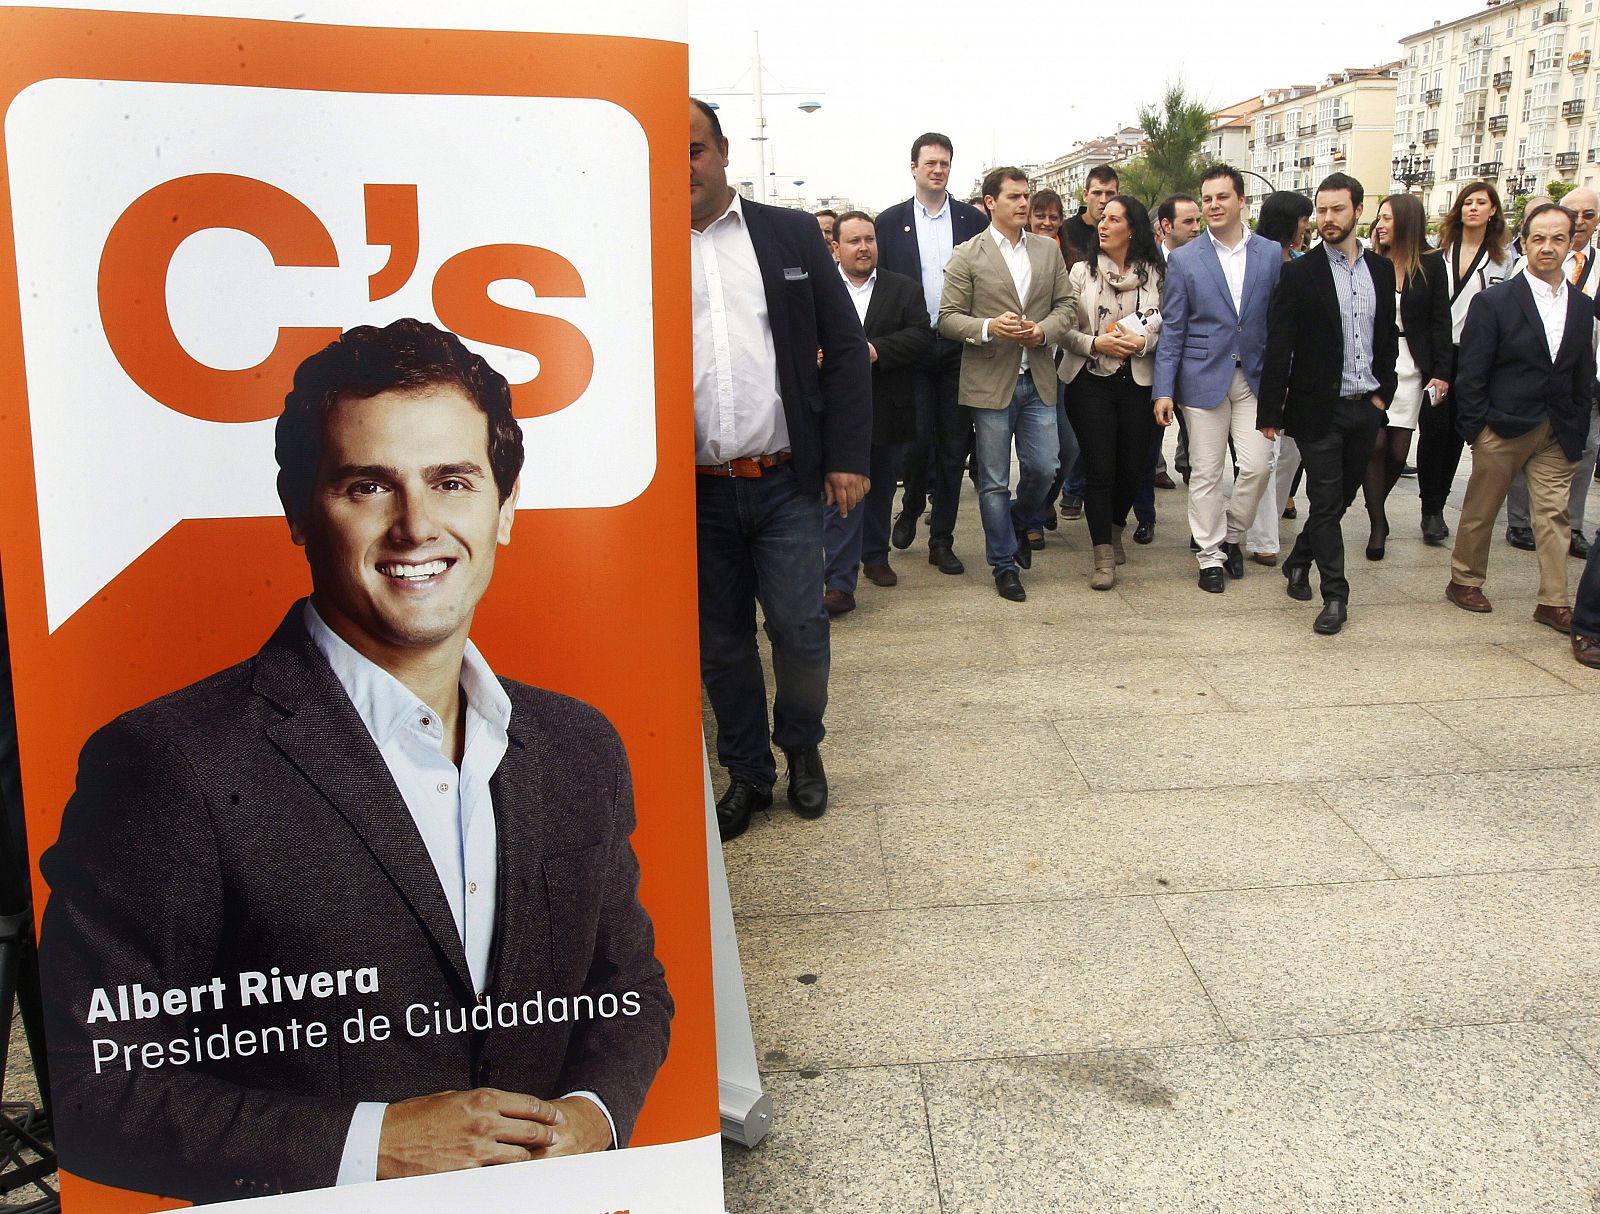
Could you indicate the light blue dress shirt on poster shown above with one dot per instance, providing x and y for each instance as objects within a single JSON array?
[
  {"x": 1358, "y": 311},
  {"x": 936, "y": 240},
  {"x": 451, "y": 808}
]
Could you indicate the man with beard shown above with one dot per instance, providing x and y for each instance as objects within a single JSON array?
[{"x": 1328, "y": 385}]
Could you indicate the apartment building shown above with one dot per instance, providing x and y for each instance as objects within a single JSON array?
[
  {"x": 1231, "y": 127},
  {"x": 1346, "y": 124},
  {"x": 1067, "y": 173},
  {"x": 1502, "y": 94}
]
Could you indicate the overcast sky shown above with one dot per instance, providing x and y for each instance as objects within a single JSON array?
[{"x": 885, "y": 73}]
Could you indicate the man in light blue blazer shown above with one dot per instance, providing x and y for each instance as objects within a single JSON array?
[{"x": 1213, "y": 342}]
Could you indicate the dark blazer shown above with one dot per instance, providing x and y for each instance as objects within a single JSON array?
[
  {"x": 897, "y": 325},
  {"x": 1305, "y": 344},
  {"x": 828, "y": 408},
  {"x": 897, "y": 236},
  {"x": 1425, "y": 317},
  {"x": 1505, "y": 377},
  {"x": 248, "y": 822}
]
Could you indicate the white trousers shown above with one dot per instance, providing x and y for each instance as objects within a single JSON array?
[
  {"x": 1211, "y": 519},
  {"x": 1263, "y": 536}
]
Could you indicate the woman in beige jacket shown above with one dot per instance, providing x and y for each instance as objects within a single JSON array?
[{"x": 1107, "y": 362}]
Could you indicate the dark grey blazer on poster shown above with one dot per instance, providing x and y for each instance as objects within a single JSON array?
[
  {"x": 828, "y": 409},
  {"x": 249, "y": 822}
]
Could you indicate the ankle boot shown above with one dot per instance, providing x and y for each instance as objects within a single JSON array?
[
  {"x": 1104, "y": 576},
  {"x": 1116, "y": 545}
]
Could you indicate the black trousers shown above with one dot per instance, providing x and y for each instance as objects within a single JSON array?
[
  {"x": 944, "y": 440},
  {"x": 1112, "y": 418},
  {"x": 1439, "y": 446},
  {"x": 1335, "y": 463}
]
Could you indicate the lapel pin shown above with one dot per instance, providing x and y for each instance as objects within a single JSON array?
[{"x": 907, "y": 227}]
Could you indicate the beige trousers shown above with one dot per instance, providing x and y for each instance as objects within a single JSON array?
[{"x": 1495, "y": 462}]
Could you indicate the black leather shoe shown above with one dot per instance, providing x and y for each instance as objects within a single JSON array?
[
  {"x": 1024, "y": 556},
  {"x": 1299, "y": 582},
  {"x": 1376, "y": 542},
  {"x": 1233, "y": 559},
  {"x": 1578, "y": 546},
  {"x": 1434, "y": 529},
  {"x": 942, "y": 558},
  {"x": 1521, "y": 537},
  {"x": 736, "y": 805},
  {"x": 808, "y": 783},
  {"x": 1009, "y": 586},
  {"x": 1331, "y": 618},
  {"x": 1144, "y": 533},
  {"x": 1211, "y": 581},
  {"x": 905, "y": 530}
]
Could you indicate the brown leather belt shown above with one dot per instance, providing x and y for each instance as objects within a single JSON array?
[{"x": 750, "y": 465}]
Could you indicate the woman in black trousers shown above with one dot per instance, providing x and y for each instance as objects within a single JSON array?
[
  {"x": 1472, "y": 241},
  {"x": 1427, "y": 353},
  {"x": 1108, "y": 359}
]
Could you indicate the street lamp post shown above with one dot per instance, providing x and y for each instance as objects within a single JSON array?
[
  {"x": 1410, "y": 170},
  {"x": 759, "y": 94}
]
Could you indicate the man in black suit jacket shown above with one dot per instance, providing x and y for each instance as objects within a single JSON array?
[
  {"x": 1328, "y": 376},
  {"x": 353, "y": 908},
  {"x": 896, "y": 324},
  {"x": 916, "y": 238},
  {"x": 783, "y": 425},
  {"x": 1524, "y": 388}
]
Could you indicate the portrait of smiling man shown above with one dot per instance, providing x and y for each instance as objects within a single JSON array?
[{"x": 364, "y": 801}]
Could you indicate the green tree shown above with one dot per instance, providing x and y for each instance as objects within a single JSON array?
[{"x": 1175, "y": 132}]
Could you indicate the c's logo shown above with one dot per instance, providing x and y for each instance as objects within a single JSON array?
[{"x": 132, "y": 289}]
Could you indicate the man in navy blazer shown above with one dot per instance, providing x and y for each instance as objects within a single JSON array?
[
  {"x": 916, "y": 238},
  {"x": 1214, "y": 308},
  {"x": 783, "y": 423},
  {"x": 1524, "y": 387}
]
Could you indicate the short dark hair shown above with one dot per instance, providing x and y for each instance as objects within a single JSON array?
[
  {"x": 409, "y": 355},
  {"x": 1281, "y": 214},
  {"x": 1167, "y": 211},
  {"x": 1104, "y": 173},
  {"x": 930, "y": 139},
  {"x": 1572, "y": 220},
  {"x": 1043, "y": 200},
  {"x": 994, "y": 178},
  {"x": 710, "y": 111},
  {"x": 1224, "y": 170},
  {"x": 1343, "y": 181},
  {"x": 840, "y": 221},
  {"x": 829, "y": 212}
]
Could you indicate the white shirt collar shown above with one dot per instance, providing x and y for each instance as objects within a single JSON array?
[
  {"x": 1542, "y": 289},
  {"x": 944, "y": 207},
  {"x": 735, "y": 208},
  {"x": 383, "y": 702},
  {"x": 1004, "y": 244},
  {"x": 871, "y": 279},
  {"x": 1222, "y": 248}
]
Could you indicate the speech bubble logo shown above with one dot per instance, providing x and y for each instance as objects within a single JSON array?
[{"x": 174, "y": 271}]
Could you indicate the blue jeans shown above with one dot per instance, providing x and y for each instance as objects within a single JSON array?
[
  {"x": 1033, "y": 424},
  {"x": 1072, "y": 475},
  {"x": 760, "y": 539}
]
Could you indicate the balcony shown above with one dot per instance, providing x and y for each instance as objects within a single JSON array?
[
  {"x": 1430, "y": 136},
  {"x": 1433, "y": 97},
  {"x": 1572, "y": 110},
  {"x": 1489, "y": 168},
  {"x": 1427, "y": 179},
  {"x": 1558, "y": 13},
  {"x": 1303, "y": 163},
  {"x": 1566, "y": 161},
  {"x": 1502, "y": 80},
  {"x": 1578, "y": 61},
  {"x": 1275, "y": 138},
  {"x": 1498, "y": 122},
  {"x": 1344, "y": 122},
  {"x": 1305, "y": 131}
]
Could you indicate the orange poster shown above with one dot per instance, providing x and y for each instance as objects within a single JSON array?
[{"x": 351, "y": 606}]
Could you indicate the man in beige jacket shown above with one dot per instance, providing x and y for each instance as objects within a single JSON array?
[{"x": 1007, "y": 299}]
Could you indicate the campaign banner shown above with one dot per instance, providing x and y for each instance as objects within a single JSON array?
[{"x": 348, "y": 556}]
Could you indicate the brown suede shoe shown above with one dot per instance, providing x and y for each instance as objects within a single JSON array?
[
  {"x": 837, "y": 602},
  {"x": 1468, "y": 598},
  {"x": 1269, "y": 559},
  {"x": 880, "y": 575},
  {"x": 1559, "y": 618},
  {"x": 1586, "y": 650}
]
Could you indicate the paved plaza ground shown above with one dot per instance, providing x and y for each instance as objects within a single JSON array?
[{"x": 1154, "y": 900}]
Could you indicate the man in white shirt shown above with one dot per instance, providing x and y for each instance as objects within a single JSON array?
[
  {"x": 1006, "y": 295},
  {"x": 779, "y": 433},
  {"x": 1581, "y": 273},
  {"x": 1524, "y": 390},
  {"x": 362, "y": 799}
]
